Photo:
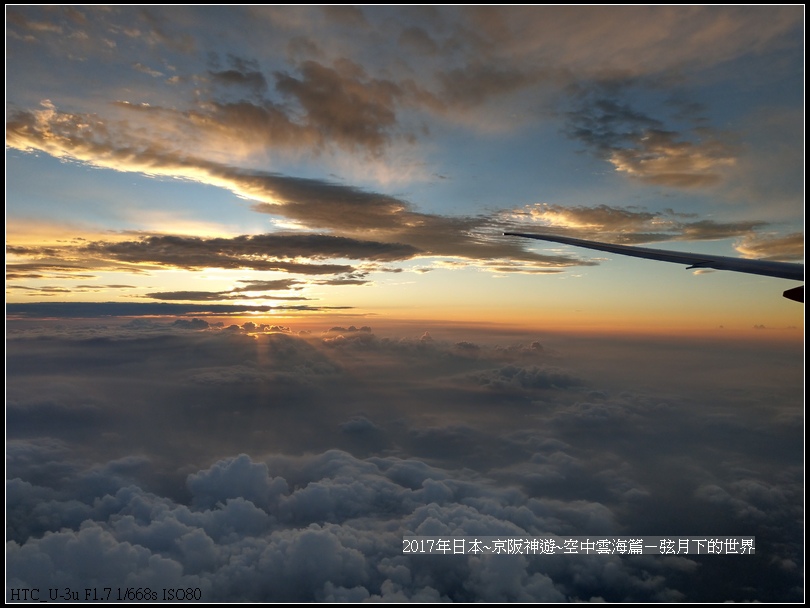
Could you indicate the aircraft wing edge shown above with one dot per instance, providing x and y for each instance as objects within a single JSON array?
[{"x": 782, "y": 270}]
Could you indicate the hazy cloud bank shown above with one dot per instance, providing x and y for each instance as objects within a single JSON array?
[{"x": 260, "y": 465}]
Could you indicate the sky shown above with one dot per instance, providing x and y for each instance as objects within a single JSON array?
[
  {"x": 369, "y": 159},
  {"x": 262, "y": 320}
]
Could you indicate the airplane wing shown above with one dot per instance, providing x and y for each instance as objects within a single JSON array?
[{"x": 782, "y": 270}]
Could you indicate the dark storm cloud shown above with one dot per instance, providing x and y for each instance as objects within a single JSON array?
[{"x": 309, "y": 462}]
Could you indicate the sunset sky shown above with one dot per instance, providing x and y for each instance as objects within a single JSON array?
[
  {"x": 262, "y": 320},
  {"x": 368, "y": 160}
]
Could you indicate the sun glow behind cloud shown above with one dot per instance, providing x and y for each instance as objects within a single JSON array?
[
  {"x": 260, "y": 303},
  {"x": 241, "y": 115},
  {"x": 323, "y": 447}
]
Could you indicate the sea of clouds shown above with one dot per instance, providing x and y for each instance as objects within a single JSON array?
[{"x": 259, "y": 463}]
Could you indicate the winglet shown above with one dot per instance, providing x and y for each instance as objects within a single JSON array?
[
  {"x": 782, "y": 270},
  {"x": 796, "y": 294}
]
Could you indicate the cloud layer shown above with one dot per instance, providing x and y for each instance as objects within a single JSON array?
[
  {"x": 265, "y": 466},
  {"x": 259, "y": 188}
]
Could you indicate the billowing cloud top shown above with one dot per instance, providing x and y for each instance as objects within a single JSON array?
[{"x": 249, "y": 463}]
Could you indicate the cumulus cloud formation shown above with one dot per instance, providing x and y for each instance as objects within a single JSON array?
[
  {"x": 345, "y": 556},
  {"x": 287, "y": 469}
]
